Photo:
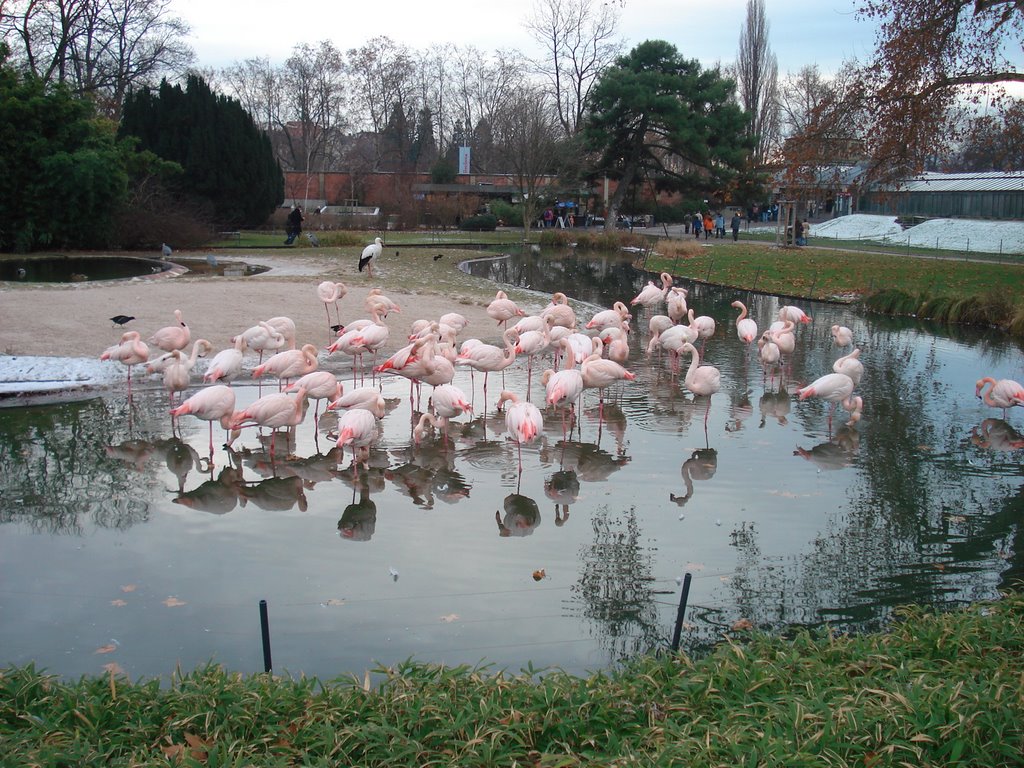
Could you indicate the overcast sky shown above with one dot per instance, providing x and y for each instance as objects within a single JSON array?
[{"x": 822, "y": 32}]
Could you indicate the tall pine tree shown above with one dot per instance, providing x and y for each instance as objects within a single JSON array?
[{"x": 228, "y": 162}]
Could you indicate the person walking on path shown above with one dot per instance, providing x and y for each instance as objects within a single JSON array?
[
  {"x": 720, "y": 226},
  {"x": 735, "y": 223},
  {"x": 294, "y": 225},
  {"x": 698, "y": 225},
  {"x": 709, "y": 224}
]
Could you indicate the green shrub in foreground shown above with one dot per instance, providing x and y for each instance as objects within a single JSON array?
[{"x": 935, "y": 690}]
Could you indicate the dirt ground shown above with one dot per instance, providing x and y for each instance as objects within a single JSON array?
[{"x": 72, "y": 320}]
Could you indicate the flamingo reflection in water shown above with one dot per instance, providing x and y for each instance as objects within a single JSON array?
[
  {"x": 997, "y": 435},
  {"x": 275, "y": 494},
  {"x": 217, "y": 496},
  {"x": 563, "y": 488},
  {"x": 522, "y": 516},
  {"x": 838, "y": 453},
  {"x": 359, "y": 519},
  {"x": 702, "y": 465}
]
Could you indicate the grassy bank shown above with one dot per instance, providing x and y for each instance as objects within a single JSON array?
[{"x": 938, "y": 689}]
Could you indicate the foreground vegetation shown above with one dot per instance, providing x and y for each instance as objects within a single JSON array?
[{"x": 937, "y": 689}]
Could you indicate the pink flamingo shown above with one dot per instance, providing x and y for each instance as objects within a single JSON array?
[
  {"x": 675, "y": 304},
  {"x": 704, "y": 325},
  {"x": 768, "y": 352},
  {"x": 376, "y": 299},
  {"x": 358, "y": 429},
  {"x": 1005, "y": 393},
  {"x": 523, "y": 421},
  {"x": 703, "y": 380},
  {"x": 785, "y": 339},
  {"x": 746, "y": 329},
  {"x": 651, "y": 295},
  {"x": 131, "y": 350},
  {"x": 172, "y": 337},
  {"x": 318, "y": 385},
  {"x": 373, "y": 336},
  {"x": 616, "y": 344},
  {"x": 361, "y": 398},
  {"x": 177, "y": 369},
  {"x": 672, "y": 341},
  {"x": 841, "y": 336},
  {"x": 532, "y": 343},
  {"x": 261, "y": 338},
  {"x": 286, "y": 327},
  {"x": 503, "y": 309},
  {"x": 288, "y": 364},
  {"x": 331, "y": 293},
  {"x": 618, "y": 316},
  {"x": 657, "y": 325},
  {"x": 489, "y": 358},
  {"x": 795, "y": 315},
  {"x": 448, "y": 401},
  {"x": 271, "y": 411},
  {"x": 561, "y": 314},
  {"x": 216, "y": 403},
  {"x": 599, "y": 373},
  {"x": 562, "y": 389},
  {"x": 835, "y": 388},
  {"x": 851, "y": 366},
  {"x": 226, "y": 365}
]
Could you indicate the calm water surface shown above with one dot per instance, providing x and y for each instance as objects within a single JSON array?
[{"x": 120, "y": 545}]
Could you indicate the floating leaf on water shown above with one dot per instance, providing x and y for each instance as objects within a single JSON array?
[
  {"x": 450, "y": 618},
  {"x": 129, "y": 587},
  {"x": 539, "y": 574},
  {"x": 113, "y": 668},
  {"x": 119, "y": 603},
  {"x": 693, "y": 567},
  {"x": 108, "y": 648},
  {"x": 173, "y": 602},
  {"x": 725, "y": 579},
  {"x": 741, "y": 624}
]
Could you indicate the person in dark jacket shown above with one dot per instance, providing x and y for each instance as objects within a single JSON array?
[
  {"x": 294, "y": 224},
  {"x": 735, "y": 223}
]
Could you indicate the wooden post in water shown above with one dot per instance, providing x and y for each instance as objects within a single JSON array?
[
  {"x": 679, "y": 614},
  {"x": 268, "y": 667}
]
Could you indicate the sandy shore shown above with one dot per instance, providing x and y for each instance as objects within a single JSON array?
[{"x": 72, "y": 320}]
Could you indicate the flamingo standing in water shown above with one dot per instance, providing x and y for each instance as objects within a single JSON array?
[
  {"x": 618, "y": 317},
  {"x": 226, "y": 365},
  {"x": 768, "y": 352},
  {"x": 216, "y": 403},
  {"x": 272, "y": 411},
  {"x": 598, "y": 373},
  {"x": 331, "y": 293},
  {"x": 357, "y": 428},
  {"x": 651, "y": 295},
  {"x": 177, "y": 369},
  {"x": 503, "y": 309},
  {"x": 131, "y": 350},
  {"x": 795, "y": 315},
  {"x": 704, "y": 325},
  {"x": 489, "y": 358},
  {"x": 562, "y": 389},
  {"x": 318, "y": 385},
  {"x": 172, "y": 337},
  {"x": 561, "y": 314},
  {"x": 361, "y": 398},
  {"x": 841, "y": 336},
  {"x": 835, "y": 388},
  {"x": 523, "y": 421},
  {"x": 1004, "y": 393},
  {"x": 703, "y": 380},
  {"x": 288, "y": 364},
  {"x": 851, "y": 366},
  {"x": 675, "y": 304},
  {"x": 261, "y": 338},
  {"x": 746, "y": 328}
]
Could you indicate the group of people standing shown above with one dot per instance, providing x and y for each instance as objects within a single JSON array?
[{"x": 706, "y": 224}]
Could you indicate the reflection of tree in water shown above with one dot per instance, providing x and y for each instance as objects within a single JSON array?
[
  {"x": 614, "y": 590},
  {"x": 55, "y": 471}
]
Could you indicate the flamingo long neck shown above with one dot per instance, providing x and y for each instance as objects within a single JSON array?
[
  {"x": 743, "y": 311},
  {"x": 691, "y": 372}
]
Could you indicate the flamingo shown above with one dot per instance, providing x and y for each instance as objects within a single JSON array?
[
  {"x": 842, "y": 336},
  {"x": 851, "y": 366},
  {"x": 331, "y": 293},
  {"x": 131, "y": 350},
  {"x": 836, "y": 388},
  {"x": 448, "y": 401},
  {"x": 318, "y": 385},
  {"x": 226, "y": 365},
  {"x": 702, "y": 380},
  {"x": 532, "y": 343},
  {"x": 651, "y": 295},
  {"x": 172, "y": 337},
  {"x": 271, "y": 411},
  {"x": 704, "y": 325},
  {"x": 785, "y": 339},
  {"x": 177, "y": 368},
  {"x": 370, "y": 254},
  {"x": 261, "y": 338},
  {"x": 489, "y": 358},
  {"x": 358, "y": 429},
  {"x": 288, "y": 364},
  {"x": 615, "y": 342},
  {"x": 746, "y": 329},
  {"x": 675, "y": 303},
  {"x": 562, "y": 389},
  {"x": 286, "y": 327},
  {"x": 672, "y": 341},
  {"x": 361, "y": 398},
  {"x": 376, "y": 299},
  {"x": 503, "y": 309},
  {"x": 371, "y": 337},
  {"x": 455, "y": 321},
  {"x": 617, "y": 316},
  {"x": 216, "y": 403},
  {"x": 523, "y": 421},
  {"x": 599, "y": 373},
  {"x": 794, "y": 315},
  {"x": 768, "y": 352},
  {"x": 1005, "y": 393},
  {"x": 559, "y": 310}
]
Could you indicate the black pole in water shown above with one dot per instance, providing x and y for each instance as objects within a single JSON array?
[
  {"x": 679, "y": 615},
  {"x": 265, "y": 632}
]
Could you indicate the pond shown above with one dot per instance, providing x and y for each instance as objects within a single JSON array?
[{"x": 122, "y": 546}]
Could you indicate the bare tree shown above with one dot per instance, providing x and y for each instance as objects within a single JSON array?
[
  {"x": 382, "y": 79},
  {"x": 529, "y": 132},
  {"x": 100, "y": 48},
  {"x": 435, "y": 79},
  {"x": 257, "y": 86},
  {"x": 757, "y": 73},
  {"x": 484, "y": 88},
  {"x": 579, "y": 40}
]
